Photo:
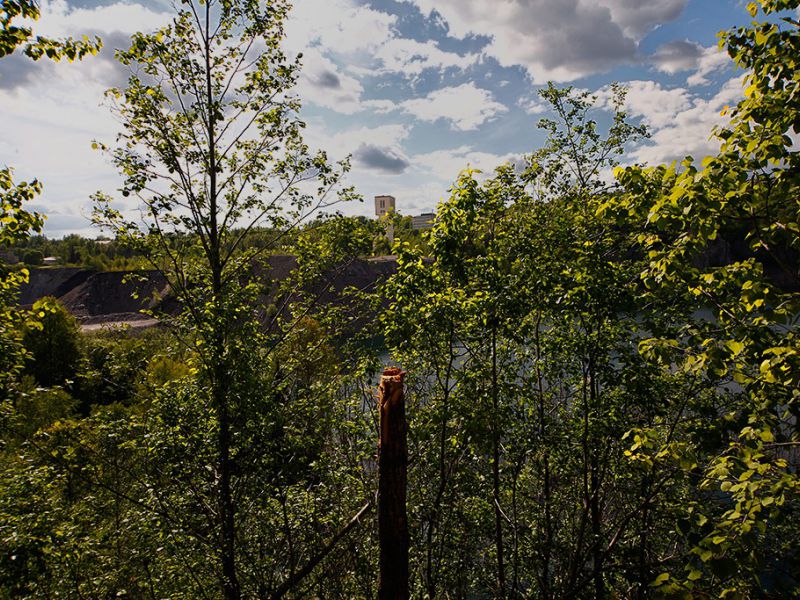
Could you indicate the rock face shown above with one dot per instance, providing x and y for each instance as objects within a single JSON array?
[
  {"x": 97, "y": 297},
  {"x": 52, "y": 282},
  {"x": 115, "y": 292},
  {"x": 117, "y": 296}
]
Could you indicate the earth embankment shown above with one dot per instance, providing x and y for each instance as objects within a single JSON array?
[{"x": 105, "y": 298}]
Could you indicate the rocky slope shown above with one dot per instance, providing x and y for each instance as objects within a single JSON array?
[{"x": 96, "y": 297}]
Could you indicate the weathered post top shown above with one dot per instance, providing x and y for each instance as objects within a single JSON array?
[
  {"x": 394, "y": 374},
  {"x": 392, "y": 465}
]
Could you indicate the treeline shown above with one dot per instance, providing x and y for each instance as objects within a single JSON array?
[
  {"x": 75, "y": 251},
  {"x": 105, "y": 254},
  {"x": 594, "y": 411}
]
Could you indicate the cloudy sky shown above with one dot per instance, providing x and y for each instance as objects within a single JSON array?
[{"x": 414, "y": 90}]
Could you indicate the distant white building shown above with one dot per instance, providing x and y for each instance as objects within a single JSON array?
[
  {"x": 423, "y": 221},
  {"x": 384, "y": 204},
  {"x": 51, "y": 260}
]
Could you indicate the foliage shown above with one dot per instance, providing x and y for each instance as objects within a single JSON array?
[
  {"x": 575, "y": 158},
  {"x": 519, "y": 339},
  {"x": 16, "y": 223},
  {"x": 172, "y": 426},
  {"x": 212, "y": 148},
  {"x": 38, "y": 408},
  {"x": 52, "y": 344},
  {"x": 596, "y": 409},
  {"x": 403, "y": 232},
  {"x": 749, "y": 343},
  {"x": 13, "y": 36},
  {"x": 74, "y": 250},
  {"x": 33, "y": 258}
]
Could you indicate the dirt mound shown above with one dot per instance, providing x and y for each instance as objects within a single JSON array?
[
  {"x": 52, "y": 282},
  {"x": 330, "y": 285},
  {"x": 103, "y": 297},
  {"x": 116, "y": 292}
]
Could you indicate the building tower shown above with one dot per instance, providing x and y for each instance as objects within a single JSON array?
[{"x": 383, "y": 204}]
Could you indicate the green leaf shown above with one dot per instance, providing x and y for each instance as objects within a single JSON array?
[{"x": 660, "y": 580}]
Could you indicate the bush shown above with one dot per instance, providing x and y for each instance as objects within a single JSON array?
[
  {"x": 53, "y": 342},
  {"x": 39, "y": 408},
  {"x": 34, "y": 258},
  {"x": 121, "y": 365}
]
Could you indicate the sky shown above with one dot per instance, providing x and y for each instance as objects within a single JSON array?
[{"x": 414, "y": 90}]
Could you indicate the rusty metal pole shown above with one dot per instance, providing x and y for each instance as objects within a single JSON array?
[{"x": 392, "y": 470}]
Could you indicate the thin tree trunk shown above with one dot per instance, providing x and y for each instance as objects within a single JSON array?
[
  {"x": 645, "y": 576},
  {"x": 431, "y": 579},
  {"x": 586, "y": 461},
  {"x": 548, "y": 521},
  {"x": 230, "y": 581},
  {"x": 498, "y": 513},
  {"x": 298, "y": 576},
  {"x": 596, "y": 516},
  {"x": 392, "y": 473}
]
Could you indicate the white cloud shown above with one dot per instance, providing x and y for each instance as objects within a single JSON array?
[
  {"x": 381, "y": 165},
  {"x": 380, "y": 107},
  {"x": 415, "y": 198},
  {"x": 448, "y": 163},
  {"x": 676, "y": 56},
  {"x": 413, "y": 195},
  {"x": 340, "y": 25},
  {"x": 390, "y": 161},
  {"x": 465, "y": 106},
  {"x": 324, "y": 84},
  {"x": 410, "y": 57},
  {"x": 637, "y": 17},
  {"x": 51, "y": 120},
  {"x": 114, "y": 23},
  {"x": 60, "y": 20},
  {"x": 334, "y": 33},
  {"x": 51, "y": 112},
  {"x": 383, "y": 135},
  {"x": 48, "y": 129},
  {"x": 685, "y": 55},
  {"x": 373, "y": 148},
  {"x": 431, "y": 175},
  {"x": 559, "y": 40},
  {"x": 534, "y": 105},
  {"x": 656, "y": 104},
  {"x": 713, "y": 59},
  {"x": 687, "y": 132}
]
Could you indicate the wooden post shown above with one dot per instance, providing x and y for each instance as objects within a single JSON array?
[{"x": 392, "y": 466}]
